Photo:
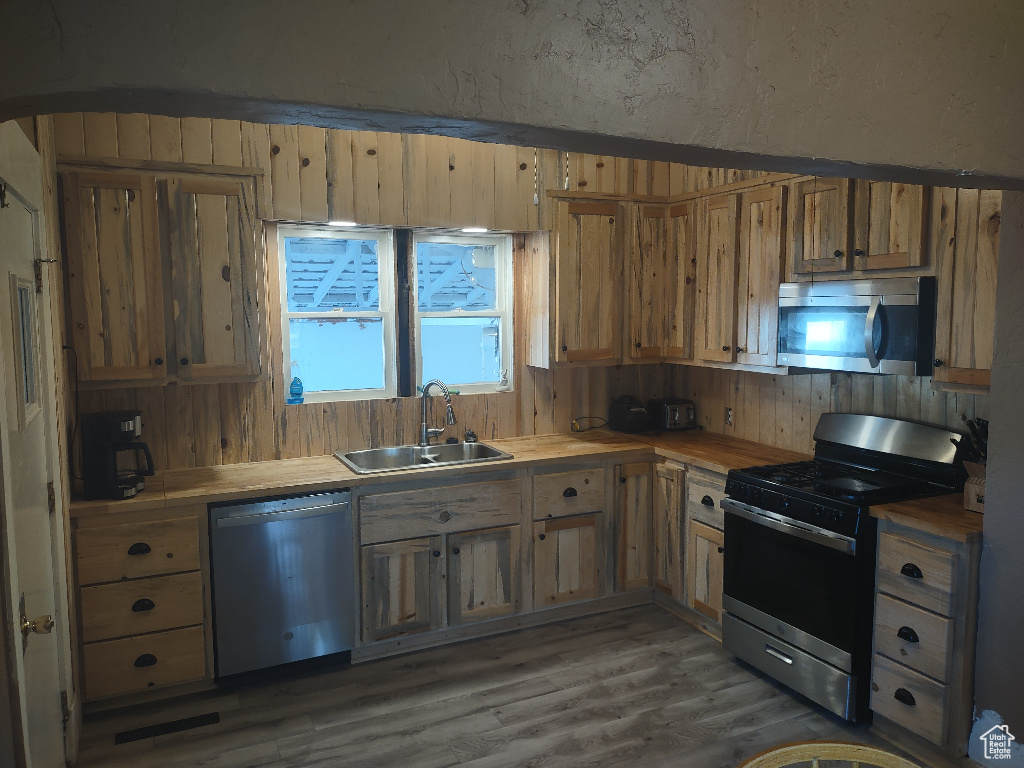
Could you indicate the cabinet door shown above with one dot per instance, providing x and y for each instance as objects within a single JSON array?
[
  {"x": 568, "y": 553},
  {"x": 589, "y": 283},
  {"x": 401, "y": 584},
  {"x": 966, "y": 235},
  {"x": 716, "y": 279},
  {"x": 216, "y": 272},
  {"x": 484, "y": 574},
  {"x": 668, "y": 520},
  {"x": 114, "y": 276},
  {"x": 889, "y": 225},
  {"x": 704, "y": 578},
  {"x": 647, "y": 283},
  {"x": 680, "y": 281},
  {"x": 633, "y": 526},
  {"x": 760, "y": 268},
  {"x": 820, "y": 225}
]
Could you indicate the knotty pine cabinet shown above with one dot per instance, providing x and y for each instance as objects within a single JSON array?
[
  {"x": 966, "y": 235},
  {"x": 717, "y": 275},
  {"x": 401, "y": 587},
  {"x": 680, "y": 281},
  {"x": 633, "y": 526},
  {"x": 667, "y": 525},
  {"x": 889, "y": 225},
  {"x": 705, "y": 547},
  {"x": 648, "y": 283},
  {"x": 820, "y": 222},
  {"x": 165, "y": 277}
]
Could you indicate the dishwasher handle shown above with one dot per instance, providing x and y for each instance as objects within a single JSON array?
[{"x": 257, "y": 518}]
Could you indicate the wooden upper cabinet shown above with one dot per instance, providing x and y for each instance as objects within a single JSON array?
[
  {"x": 889, "y": 225},
  {"x": 680, "y": 280},
  {"x": 589, "y": 283},
  {"x": 965, "y": 232},
  {"x": 648, "y": 285},
  {"x": 820, "y": 225},
  {"x": 115, "y": 276},
  {"x": 215, "y": 277},
  {"x": 165, "y": 273},
  {"x": 716, "y": 279},
  {"x": 760, "y": 267}
]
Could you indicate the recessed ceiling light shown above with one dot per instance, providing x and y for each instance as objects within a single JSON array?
[
  {"x": 474, "y": 230},
  {"x": 342, "y": 224}
]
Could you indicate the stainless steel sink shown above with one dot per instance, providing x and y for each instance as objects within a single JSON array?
[{"x": 414, "y": 456}]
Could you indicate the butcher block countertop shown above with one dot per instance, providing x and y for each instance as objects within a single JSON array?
[{"x": 943, "y": 515}]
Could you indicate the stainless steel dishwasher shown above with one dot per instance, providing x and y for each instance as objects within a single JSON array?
[{"x": 283, "y": 580}]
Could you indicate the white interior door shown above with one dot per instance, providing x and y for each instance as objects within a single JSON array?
[{"x": 31, "y": 536}]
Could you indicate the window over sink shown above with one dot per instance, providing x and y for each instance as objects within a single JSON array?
[{"x": 375, "y": 313}]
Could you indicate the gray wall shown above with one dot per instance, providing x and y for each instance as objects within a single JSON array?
[
  {"x": 889, "y": 87},
  {"x": 921, "y": 84}
]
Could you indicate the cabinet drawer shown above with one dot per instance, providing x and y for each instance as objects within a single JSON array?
[
  {"x": 921, "y": 706},
  {"x": 918, "y": 574},
  {"x": 136, "y": 550},
  {"x": 142, "y": 605},
  {"x": 702, "y": 502},
  {"x": 429, "y": 511},
  {"x": 140, "y": 663},
  {"x": 914, "y": 637},
  {"x": 568, "y": 493}
]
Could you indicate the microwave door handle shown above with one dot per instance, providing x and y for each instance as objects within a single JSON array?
[{"x": 869, "y": 328}]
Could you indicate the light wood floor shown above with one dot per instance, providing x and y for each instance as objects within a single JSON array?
[{"x": 635, "y": 688}]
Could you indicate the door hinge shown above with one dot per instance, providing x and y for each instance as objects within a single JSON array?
[
  {"x": 65, "y": 709},
  {"x": 3, "y": 196},
  {"x": 51, "y": 497},
  {"x": 38, "y": 264}
]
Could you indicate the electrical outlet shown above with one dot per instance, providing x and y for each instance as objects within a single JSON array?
[{"x": 728, "y": 416}]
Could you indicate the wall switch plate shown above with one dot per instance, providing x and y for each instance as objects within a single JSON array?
[{"x": 728, "y": 416}]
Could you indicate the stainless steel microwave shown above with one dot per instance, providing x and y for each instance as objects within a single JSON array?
[{"x": 885, "y": 325}]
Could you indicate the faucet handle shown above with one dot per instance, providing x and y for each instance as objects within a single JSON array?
[{"x": 450, "y": 415}]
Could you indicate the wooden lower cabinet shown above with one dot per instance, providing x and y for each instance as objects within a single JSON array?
[
  {"x": 484, "y": 574},
  {"x": 668, "y": 526},
  {"x": 633, "y": 526},
  {"x": 401, "y": 583},
  {"x": 704, "y": 550},
  {"x": 568, "y": 557},
  {"x": 134, "y": 664}
]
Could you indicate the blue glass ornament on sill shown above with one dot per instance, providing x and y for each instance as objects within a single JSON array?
[{"x": 294, "y": 392}]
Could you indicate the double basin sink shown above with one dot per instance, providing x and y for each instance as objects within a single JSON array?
[{"x": 400, "y": 457}]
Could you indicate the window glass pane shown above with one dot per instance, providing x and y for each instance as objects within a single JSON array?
[
  {"x": 337, "y": 353},
  {"x": 326, "y": 273},
  {"x": 453, "y": 277},
  {"x": 461, "y": 350},
  {"x": 28, "y": 360}
]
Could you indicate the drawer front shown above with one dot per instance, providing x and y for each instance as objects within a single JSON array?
[
  {"x": 430, "y": 511},
  {"x": 140, "y": 663},
  {"x": 917, "y": 638},
  {"x": 142, "y": 605},
  {"x": 137, "y": 550},
  {"x": 698, "y": 494},
  {"x": 909, "y": 699},
  {"x": 561, "y": 494},
  {"x": 916, "y": 573}
]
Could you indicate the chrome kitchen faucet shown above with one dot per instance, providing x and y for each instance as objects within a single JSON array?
[{"x": 428, "y": 432}]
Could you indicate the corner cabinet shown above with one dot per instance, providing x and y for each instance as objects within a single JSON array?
[
  {"x": 165, "y": 276},
  {"x": 648, "y": 283},
  {"x": 668, "y": 522},
  {"x": 633, "y": 526},
  {"x": 717, "y": 275}
]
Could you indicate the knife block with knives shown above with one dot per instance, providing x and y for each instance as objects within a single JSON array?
[{"x": 974, "y": 488}]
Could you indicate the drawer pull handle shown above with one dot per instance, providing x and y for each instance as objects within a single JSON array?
[
  {"x": 911, "y": 570},
  {"x": 721, "y": 550},
  {"x": 707, "y": 501},
  {"x": 145, "y": 604},
  {"x": 903, "y": 696},
  {"x": 145, "y": 660},
  {"x": 778, "y": 655},
  {"x": 908, "y": 634},
  {"x": 981, "y": 499},
  {"x": 569, "y": 492},
  {"x": 140, "y": 548}
]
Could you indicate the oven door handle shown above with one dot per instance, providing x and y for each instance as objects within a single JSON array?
[{"x": 793, "y": 528}]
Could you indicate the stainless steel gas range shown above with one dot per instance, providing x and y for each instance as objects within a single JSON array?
[{"x": 800, "y": 551}]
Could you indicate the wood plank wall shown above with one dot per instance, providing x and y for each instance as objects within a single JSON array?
[
  {"x": 783, "y": 410},
  {"x": 316, "y": 174}
]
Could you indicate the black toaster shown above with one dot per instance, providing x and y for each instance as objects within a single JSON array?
[{"x": 667, "y": 413}]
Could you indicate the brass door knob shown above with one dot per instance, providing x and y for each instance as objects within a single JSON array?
[{"x": 41, "y": 625}]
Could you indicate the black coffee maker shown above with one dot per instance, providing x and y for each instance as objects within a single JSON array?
[{"x": 114, "y": 461}]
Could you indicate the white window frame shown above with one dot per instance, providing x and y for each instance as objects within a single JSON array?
[
  {"x": 503, "y": 306},
  {"x": 386, "y": 310}
]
